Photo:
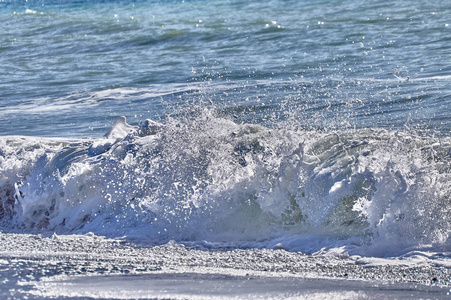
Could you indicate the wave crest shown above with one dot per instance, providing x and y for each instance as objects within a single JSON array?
[{"x": 208, "y": 178}]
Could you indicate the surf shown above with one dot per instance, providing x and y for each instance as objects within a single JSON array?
[{"x": 205, "y": 179}]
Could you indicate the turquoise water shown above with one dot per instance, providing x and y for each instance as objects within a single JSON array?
[{"x": 69, "y": 68}]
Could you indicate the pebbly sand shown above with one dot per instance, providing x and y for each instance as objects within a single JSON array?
[{"x": 94, "y": 267}]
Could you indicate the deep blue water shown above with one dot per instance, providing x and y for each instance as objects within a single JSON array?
[{"x": 69, "y": 68}]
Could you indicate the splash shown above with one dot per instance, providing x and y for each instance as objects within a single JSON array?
[{"x": 206, "y": 178}]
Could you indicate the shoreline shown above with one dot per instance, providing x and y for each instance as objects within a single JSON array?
[{"x": 41, "y": 267}]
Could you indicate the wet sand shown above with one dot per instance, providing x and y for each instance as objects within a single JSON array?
[{"x": 93, "y": 267}]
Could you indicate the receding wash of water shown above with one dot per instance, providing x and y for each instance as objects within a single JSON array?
[{"x": 192, "y": 149}]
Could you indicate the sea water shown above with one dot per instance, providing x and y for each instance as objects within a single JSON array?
[{"x": 234, "y": 124}]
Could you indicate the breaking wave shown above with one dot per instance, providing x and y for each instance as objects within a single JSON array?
[{"x": 206, "y": 179}]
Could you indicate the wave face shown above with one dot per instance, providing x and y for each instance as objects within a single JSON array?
[{"x": 207, "y": 179}]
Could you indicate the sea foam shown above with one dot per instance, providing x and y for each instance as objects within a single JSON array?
[{"x": 209, "y": 180}]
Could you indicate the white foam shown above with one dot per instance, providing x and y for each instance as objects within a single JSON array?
[
  {"x": 373, "y": 192},
  {"x": 120, "y": 129}
]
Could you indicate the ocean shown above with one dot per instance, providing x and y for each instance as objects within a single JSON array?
[{"x": 320, "y": 129}]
